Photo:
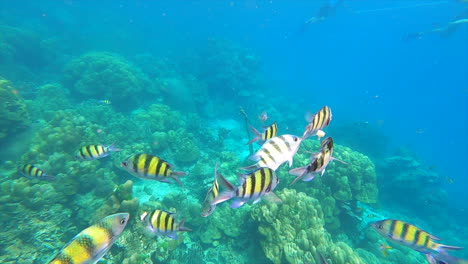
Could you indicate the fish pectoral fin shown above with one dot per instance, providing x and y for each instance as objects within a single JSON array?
[
  {"x": 333, "y": 158},
  {"x": 299, "y": 172},
  {"x": 238, "y": 203},
  {"x": 273, "y": 198}
]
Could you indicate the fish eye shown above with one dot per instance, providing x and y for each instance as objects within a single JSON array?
[
  {"x": 379, "y": 226},
  {"x": 124, "y": 164},
  {"x": 295, "y": 139},
  {"x": 122, "y": 221}
]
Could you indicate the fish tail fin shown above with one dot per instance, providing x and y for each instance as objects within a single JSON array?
[
  {"x": 48, "y": 177},
  {"x": 224, "y": 182},
  {"x": 182, "y": 228},
  {"x": 226, "y": 195},
  {"x": 222, "y": 197},
  {"x": 299, "y": 172},
  {"x": 176, "y": 174},
  {"x": 257, "y": 137},
  {"x": 443, "y": 248},
  {"x": 112, "y": 147}
]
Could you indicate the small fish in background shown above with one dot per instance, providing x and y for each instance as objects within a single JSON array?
[
  {"x": 419, "y": 131},
  {"x": 105, "y": 102},
  {"x": 253, "y": 186},
  {"x": 275, "y": 151},
  {"x": 319, "y": 162},
  {"x": 450, "y": 180},
  {"x": 263, "y": 116},
  {"x": 409, "y": 235},
  {"x": 163, "y": 223},
  {"x": 268, "y": 133},
  {"x": 150, "y": 167},
  {"x": 32, "y": 172},
  {"x": 317, "y": 122},
  {"x": 384, "y": 248},
  {"x": 91, "y": 244},
  {"x": 93, "y": 152},
  {"x": 436, "y": 258},
  {"x": 212, "y": 193}
]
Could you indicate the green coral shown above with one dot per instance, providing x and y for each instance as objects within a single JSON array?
[
  {"x": 103, "y": 75},
  {"x": 293, "y": 231},
  {"x": 14, "y": 116},
  {"x": 354, "y": 181}
]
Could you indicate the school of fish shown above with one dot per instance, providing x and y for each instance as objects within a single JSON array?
[{"x": 91, "y": 244}]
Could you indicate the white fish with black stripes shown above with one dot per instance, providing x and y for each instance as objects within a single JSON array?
[{"x": 275, "y": 152}]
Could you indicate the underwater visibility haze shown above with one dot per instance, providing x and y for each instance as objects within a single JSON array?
[{"x": 314, "y": 132}]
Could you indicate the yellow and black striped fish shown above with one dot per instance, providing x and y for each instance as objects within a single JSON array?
[
  {"x": 91, "y": 244},
  {"x": 212, "y": 193},
  {"x": 105, "y": 101},
  {"x": 253, "y": 186},
  {"x": 32, "y": 172},
  {"x": 318, "y": 164},
  {"x": 92, "y": 152},
  {"x": 410, "y": 236},
  {"x": 150, "y": 167},
  {"x": 160, "y": 222},
  {"x": 275, "y": 152},
  {"x": 269, "y": 132},
  {"x": 317, "y": 122}
]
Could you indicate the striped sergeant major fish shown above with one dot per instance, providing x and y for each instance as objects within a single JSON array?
[
  {"x": 162, "y": 223},
  {"x": 318, "y": 164},
  {"x": 32, "y": 172},
  {"x": 91, "y": 244},
  {"x": 253, "y": 186},
  {"x": 212, "y": 193},
  {"x": 410, "y": 236},
  {"x": 268, "y": 133},
  {"x": 436, "y": 258},
  {"x": 93, "y": 152},
  {"x": 150, "y": 167},
  {"x": 105, "y": 101},
  {"x": 275, "y": 152},
  {"x": 317, "y": 122}
]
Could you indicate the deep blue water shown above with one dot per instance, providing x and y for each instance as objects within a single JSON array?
[{"x": 412, "y": 93}]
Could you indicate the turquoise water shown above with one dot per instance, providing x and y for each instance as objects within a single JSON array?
[{"x": 185, "y": 80}]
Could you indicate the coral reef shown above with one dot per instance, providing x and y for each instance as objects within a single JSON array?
[
  {"x": 103, "y": 75},
  {"x": 14, "y": 115},
  {"x": 404, "y": 173},
  {"x": 293, "y": 231},
  {"x": 341, "y": 184},
  {"x": 21, "y": 53}
]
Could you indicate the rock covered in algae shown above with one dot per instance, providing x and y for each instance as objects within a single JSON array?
[
  {"x": 293, "y": 232},
  {"x": 14, "y": 115},
  {"x": 103, "y": 75}
]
